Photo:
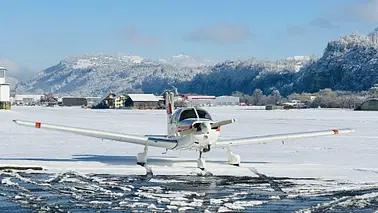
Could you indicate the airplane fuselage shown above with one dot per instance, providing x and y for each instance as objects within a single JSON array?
[
  {"x": 198, "y": 138},
  {"x": 191, "y": 127}
]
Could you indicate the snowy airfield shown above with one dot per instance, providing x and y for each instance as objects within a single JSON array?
[{"x": 330, "y": 173}]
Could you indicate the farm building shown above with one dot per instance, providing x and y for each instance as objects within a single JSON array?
[
  {"x": 92, "y": 100},
  {"x": 106, "y": 102},
  {"x": 141, "y": 101},
  {"x": 73, "y": 101},
  {"x": 119, "y": 101},
  {"x": 370, "y": 105}
]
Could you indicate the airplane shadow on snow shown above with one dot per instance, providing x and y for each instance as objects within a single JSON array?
[{"x": 125, "y": 160}]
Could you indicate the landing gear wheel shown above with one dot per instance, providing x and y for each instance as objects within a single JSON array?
[
  {"x": 201, "y": 163},
  {"x": 142, "y": 157},
  {"x": 233, "y": 159}
]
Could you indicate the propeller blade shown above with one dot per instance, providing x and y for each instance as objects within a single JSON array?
[
  {"x": 188, "y": 131},
  {"x": 222, "y": 123}
]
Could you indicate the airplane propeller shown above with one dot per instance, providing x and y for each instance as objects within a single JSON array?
[
  {"x": 205, "y": 127},
  {"x": 222, "y": 123}
]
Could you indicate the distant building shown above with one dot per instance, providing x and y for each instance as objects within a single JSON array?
[
  {"x": 306, "y": 97},
  {"x": 92, "y": 100},
  {"x": 4, "y": 91},
  {"x": 49, "y": 100},
  {"x": 27, "y": 99},
  {"x": 73, "y": 101},
  {"x": 161, "y": 103},
  {"x": 200, "y": 100},
  {"x": 119, "y": 101},
  {"x": 227, "y": 101},
  {"x": 207, "y": 100},
  {"x": 294, "y": 104},
  {"x": 142, "y": 101},
  {"x": 106, "y": 102},
  {"x": 273, "y": 107},
  {"x": 370, "y": 105}
]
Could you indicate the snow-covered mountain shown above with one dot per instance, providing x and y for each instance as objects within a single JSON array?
[
  {"x": 182, "y": 60},
  {"x": 96, "y": 74},
  {"x": 245, "y": 76},
  {"x": 349, "y": 63}
]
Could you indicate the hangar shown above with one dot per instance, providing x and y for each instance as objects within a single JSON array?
[{"x": 141, "y": 101}]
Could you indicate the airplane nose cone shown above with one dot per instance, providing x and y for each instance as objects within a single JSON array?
[{"x": 205, "y": 127}]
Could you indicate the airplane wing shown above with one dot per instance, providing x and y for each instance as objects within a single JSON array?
[
  {"x": 278, "y": 137},
  {"x": 162, "y": 142}
]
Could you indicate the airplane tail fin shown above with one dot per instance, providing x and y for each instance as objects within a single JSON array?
[
  {"x": 169, "y": 106},
  {"x": 169, "y": 102}
]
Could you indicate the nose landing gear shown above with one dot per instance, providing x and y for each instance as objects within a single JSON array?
[{"x": 201, "y": 163}]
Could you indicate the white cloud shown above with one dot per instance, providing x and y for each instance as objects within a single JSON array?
[
  {"x": 134, "y": 37},
  {"x": 361, "y": 11},
  {"x": 221, "y": 33},
  {"x": 14, "y": 70},
  {"x": 294, "y": 30},
  {"x": 323, "y": 23}
]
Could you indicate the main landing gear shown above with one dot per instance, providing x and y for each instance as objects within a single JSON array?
[
  {"x": 233, "y": 159},
  {"x": 142, "y": 161},
  {"x": 142, "y": 157},
  {"x": 201, "y": 163}
]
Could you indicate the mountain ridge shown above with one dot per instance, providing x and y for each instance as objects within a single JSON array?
[{"x": 348, "y": 63}]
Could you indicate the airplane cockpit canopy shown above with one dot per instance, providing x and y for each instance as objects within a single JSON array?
[{"x": 187, "y": 113}]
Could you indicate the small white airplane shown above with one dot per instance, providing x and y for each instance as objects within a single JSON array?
[{"x": 189, "y": 128}]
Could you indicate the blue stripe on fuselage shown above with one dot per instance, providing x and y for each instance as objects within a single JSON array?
[{"x": 162, "y": 140}]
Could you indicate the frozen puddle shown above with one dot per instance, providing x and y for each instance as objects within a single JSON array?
[{"x": 25, "y": 192}]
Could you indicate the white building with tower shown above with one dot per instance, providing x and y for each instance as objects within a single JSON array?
[{"x": 4, "y": 91}]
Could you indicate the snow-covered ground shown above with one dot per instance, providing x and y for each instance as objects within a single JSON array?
[{"x": 351, "y": 157}]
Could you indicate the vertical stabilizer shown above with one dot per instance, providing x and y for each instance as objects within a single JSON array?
[{"x": 169, "y": 106}]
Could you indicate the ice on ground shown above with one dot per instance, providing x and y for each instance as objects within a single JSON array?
[{"x": 163, "y": 200}]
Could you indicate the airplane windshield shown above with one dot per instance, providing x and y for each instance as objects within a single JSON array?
[
  {"x": 203, "y": 114},
  {"x": 175, "y": 116},
  {"x": 189, "y": 113}
]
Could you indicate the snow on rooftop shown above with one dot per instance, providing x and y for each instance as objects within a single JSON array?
[{"x": 143, "y": 97}]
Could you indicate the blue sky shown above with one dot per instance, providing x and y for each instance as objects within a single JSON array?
[{"x": 39, "y": 33}]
